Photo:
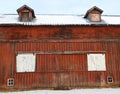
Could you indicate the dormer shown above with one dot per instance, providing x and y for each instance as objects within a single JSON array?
[
  {"x": 94, "y": 14},
  {"x": 25, "y": 13}
]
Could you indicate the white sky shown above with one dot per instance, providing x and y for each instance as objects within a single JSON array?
[{"x": 110, "y": 7}]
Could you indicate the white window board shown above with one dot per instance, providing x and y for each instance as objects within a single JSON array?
[
  {"x": 25, "y": 62},
  {"x": 96, "y": 62}
]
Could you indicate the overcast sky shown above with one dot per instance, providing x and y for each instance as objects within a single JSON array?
[{"x": 110, "y": 7}]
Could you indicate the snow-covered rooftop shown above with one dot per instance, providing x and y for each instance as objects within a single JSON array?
[{"x": 59, "y": 20}]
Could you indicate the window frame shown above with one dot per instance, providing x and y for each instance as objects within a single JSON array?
[
  {"x": 109, "y": 79},
  {"x": 10, "y": 82}
]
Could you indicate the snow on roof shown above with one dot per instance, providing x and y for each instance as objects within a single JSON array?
[{"x": 58, "y": 20}]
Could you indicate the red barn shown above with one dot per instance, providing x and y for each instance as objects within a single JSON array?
[{"x": 59, "y": 51}]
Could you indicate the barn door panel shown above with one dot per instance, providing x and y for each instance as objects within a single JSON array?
[
  {"x": 61, "y": 65},
  {"x": 71, "y": 62},
  {"x": 60, "y": 62},
  {"x": 64, "y": 80},
  {"x": 45, "y": 63},
  {"x": 68, "y": 64}
]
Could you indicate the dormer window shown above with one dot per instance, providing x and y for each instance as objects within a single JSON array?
[
  {"x": 25, "y": 13},
  {"x": 94, "y": 14}
]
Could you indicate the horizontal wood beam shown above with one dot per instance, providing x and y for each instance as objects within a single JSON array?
[{"x": 59, "y": 52}]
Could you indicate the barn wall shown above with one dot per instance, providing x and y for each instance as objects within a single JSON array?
[
  {"x": 55, "y": 47},
  {"x": 48, "y": 73},
  {"x": 59, "y": 32},
  {"x": 7, "y": 62},
  {"x": 59, "y": 67}
]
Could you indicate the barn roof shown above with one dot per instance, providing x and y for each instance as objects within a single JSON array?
[{"x": 12, "y": 19}]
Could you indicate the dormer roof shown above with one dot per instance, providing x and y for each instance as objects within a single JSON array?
[
  {"x": 26, "y": 7},
  {"x": 93, "y": 9}
]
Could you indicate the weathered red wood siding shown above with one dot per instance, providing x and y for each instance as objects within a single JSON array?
[
  {"x": 61, "y": 55},
  {"x": 7, "y": 62},
  {"x": 61, "y": 62},
  {"x": 59, "y": 32}
]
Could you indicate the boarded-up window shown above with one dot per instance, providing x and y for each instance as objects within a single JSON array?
[
  {"x": 96, "y": 62},
  {"x": 25, "y": 16},
  {"x": 25, "y": 62},
  {"x": 95, "y": 17}
]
